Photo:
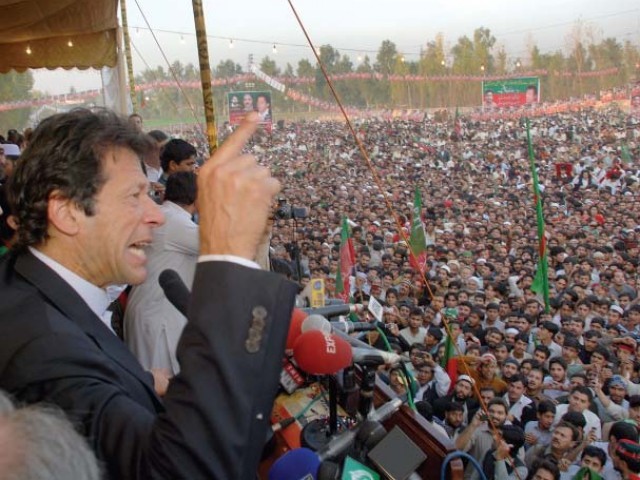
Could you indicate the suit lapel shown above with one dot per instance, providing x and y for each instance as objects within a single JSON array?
[{"x": 60, "y": 294}]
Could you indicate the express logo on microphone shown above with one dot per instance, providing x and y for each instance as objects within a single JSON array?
[{"x": 321, "y": 353}]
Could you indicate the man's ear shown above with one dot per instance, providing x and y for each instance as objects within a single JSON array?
[{"x": 63, "y": 214}]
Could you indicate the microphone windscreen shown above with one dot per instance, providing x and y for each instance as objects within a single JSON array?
[
  {"x": 295, "y": 327},
  {"x": 297, "y": 464},
  {"x": 321, "y": 353},
  {"x": 316, "y": 322},
  {"x": 175, "y": 290}
]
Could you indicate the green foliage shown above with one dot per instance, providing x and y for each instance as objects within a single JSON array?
[{"x": 15, "y": 86}]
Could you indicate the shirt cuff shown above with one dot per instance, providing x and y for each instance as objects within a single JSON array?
[{"x": 229, "y": 258}]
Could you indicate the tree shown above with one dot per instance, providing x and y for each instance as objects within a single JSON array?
[
  {"x": 227, "y": 69},
  {"x": 269, "y": 66},
  {"x": 15, "y": 86}
]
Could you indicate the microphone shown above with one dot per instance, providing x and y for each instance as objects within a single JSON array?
[
  {"x": 350, "y": 327},
  {"x": 373, "y": 356},
  {"x": 321, "y": 353},
  {"x": 341, "y": 442},
  {"x": 296, "y": 464},
  {"x": 335, "y": 310},
  {"x": 365, "y": 355},
  {"x": 175, "y": 290},
  {"x": 302, "y": 463},
  {"x": 295, "y": 327}
]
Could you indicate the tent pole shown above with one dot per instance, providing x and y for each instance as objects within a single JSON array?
[
  {"x": 127, "y": 52},
  {"x": 205, "y": 75},
  {"x": 122, "y": 84}
]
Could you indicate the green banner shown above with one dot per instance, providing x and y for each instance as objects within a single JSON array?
[{"x": 511, "y": 92}]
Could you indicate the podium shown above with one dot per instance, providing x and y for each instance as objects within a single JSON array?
[{"x": 430, "y": 441}]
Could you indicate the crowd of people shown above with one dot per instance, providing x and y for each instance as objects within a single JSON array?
[
  {"x": 532, "y": 390},
  {"x": 553, "y": 379}
]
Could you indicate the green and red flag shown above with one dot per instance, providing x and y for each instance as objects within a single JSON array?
[
  {"x": 449, "y": 361},
  {"x": 418, "y": 238},
  {"x": 347, "y": 262},
  {"x": 540, "y": 283}
]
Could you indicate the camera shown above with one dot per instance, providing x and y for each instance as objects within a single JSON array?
[{"x": 286, "y": 211}]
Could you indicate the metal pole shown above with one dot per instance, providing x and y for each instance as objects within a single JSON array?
[
  {"x": 127, "y": 52},
  {"x": 205, "y": 74},
  {"x": 122, "y": 85}
]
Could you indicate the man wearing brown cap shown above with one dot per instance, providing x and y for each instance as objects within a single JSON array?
[{"x": 486, "y": 374}]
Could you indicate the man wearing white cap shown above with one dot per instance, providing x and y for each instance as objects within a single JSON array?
[{"x": 462, "y": 393}]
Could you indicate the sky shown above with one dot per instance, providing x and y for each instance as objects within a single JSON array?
[{"x": 354, "y": 27}]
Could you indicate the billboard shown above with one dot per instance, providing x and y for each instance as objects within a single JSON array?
[
  {"x": 240, "y": 103},
  {"x": 511, "y": 92}
]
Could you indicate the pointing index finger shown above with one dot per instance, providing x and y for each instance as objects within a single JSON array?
[{"x": 233, "y": 145}]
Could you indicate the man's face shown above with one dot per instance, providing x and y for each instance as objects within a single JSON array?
[
  {"x": 247, "y": 102},
  {"x": 497, "y": 414},
  {"x": 487, "y": 396},
  {"x": 534, "y": 379},
  {"x": 634, "y": 414},
  {"x": 578, "y": 402},
  {"x": 562, "y": 439},
  {"x": 454, "y": 418},
  {"x": 592, "y": 462},
  {"x": 509, "y": 370},
  {"x": 415, "y": 321},
  {"x": 261, "y": 104},
  {"x": 501, "y": 353},
  {"x": 545, "y": 420},
  {"x": 109, "y": 246},
  {"x": 516, "y": 390},
  {"x": 462, "y": 390},
  {"x": 617, "y": 393}
]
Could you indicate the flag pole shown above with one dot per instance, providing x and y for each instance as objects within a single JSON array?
[
  {"x": 127, "y": 54},
  {"x": 205, "y": 75},
  {"x": 541, "y": 281}
]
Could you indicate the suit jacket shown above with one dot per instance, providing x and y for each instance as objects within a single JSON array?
[{"x": 212, "y": 422}]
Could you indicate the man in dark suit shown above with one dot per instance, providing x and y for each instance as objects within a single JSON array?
[{"x": 84, "y": 221}]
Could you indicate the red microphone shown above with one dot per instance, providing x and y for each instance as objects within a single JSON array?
[
  {"x": 295, "y": 327},
  {"x": 320, "y": 353}
]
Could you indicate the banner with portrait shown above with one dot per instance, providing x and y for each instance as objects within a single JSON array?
[
  {"x": 511, "y": 92},
  {"x": 241, "y": 103}
]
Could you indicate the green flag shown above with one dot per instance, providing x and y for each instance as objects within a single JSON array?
[
  {"x": 540, "y": 283},
  {"x": 347, "y": 261},
  {"x": 624, "y": 154},
  {"x": 418, "y": 238}
]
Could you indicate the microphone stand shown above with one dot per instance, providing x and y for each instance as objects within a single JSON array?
[{"x": 333, "y": 405}]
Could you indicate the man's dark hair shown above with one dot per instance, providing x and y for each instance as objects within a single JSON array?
[
  {"x": 518, "y": 377},
  {"x": 453, "y": 407},
  {"x": 544, "y": 349},
  {"x": 181, "y": 188},
  {"x": 558, "y": 360},
  {"x": 177, "y": 150},
  {"x": 65, "y": 155},
  {"x": 158, "y": 135},
  {"x": 497, "y": 401},
  {"x": 546, "y": 406},
  {"x": 584, "y": 390},
  {"x": 514, "y": 436},
  {"x": 634, "y": 401},
  {"x": 575, "y": 433},
  {"x": 623, "y": 430},
  {"x": 547, "y": 465}
]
